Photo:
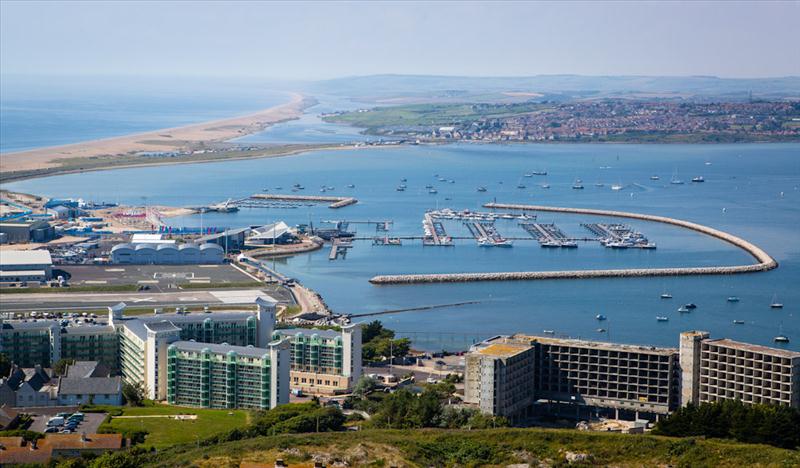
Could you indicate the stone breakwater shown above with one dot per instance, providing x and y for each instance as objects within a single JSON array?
[
  {"x": 764, "y": 260},
  {"x": 335, "y": 202}
]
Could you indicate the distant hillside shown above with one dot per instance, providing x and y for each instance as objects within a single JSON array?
[
  {"x": 495, "y": 447},
  {"x": 454, "y": 88}
]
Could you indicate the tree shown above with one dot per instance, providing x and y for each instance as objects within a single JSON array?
[
  {"x": 5, "y": 365},
  {"x": 364, "y": 386},
  {"x": 133, "y": 393},
  {"x": 60, "y": 367},
  {"x": 375, "y": 330}
]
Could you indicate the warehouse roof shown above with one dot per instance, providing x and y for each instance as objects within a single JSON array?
[{"x": 25, "y": 257}]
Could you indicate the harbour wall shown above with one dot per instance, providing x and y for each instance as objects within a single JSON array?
[{"x": 764, "y": 261}]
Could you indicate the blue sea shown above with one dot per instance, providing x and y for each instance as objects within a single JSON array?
[
  {"x": 38, "y": 112},
  {"x": 752, "y": 191}
]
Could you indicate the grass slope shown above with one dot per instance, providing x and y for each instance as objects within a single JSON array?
[{"x": 475, "y": 448}]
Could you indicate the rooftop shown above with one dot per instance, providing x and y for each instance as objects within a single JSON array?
[
  {"x": 755, "y": 348},
  {"x": 594, "y": 344},
  {"x": 220, "y": 348},
  {"x": 25, "y": 257},
  {"x": 89, "y": 385},
  {"x": 330, "y": 334},
  {"x": 503, "y": 349}
]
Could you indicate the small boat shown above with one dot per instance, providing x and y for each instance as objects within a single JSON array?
[
  {"x": 400, "y": 188},
  {"x": 708, "y": 163},
  {"x": 654, "y": 177},
  {"x": 683, "y": 310},
  {"x": 738, "y": 322},
  {"x": 601, "y": 330},
  {"x": 781, "y": 339},
  {"x": 429, "y": 186},
  {"x": 432, "y": 191},
  {"x": 520, "y": 186},
  {"x": 661, "y": 318},
  {"x": 599, "y": 184},
  {"x": 600, "y": 317},
  {"x": 403, "y": 180},
  {"x": 733, "y": 299},
  {"x": 577, "y": 185},
  {"x": 481, "y": 189},
  {"x": 690, "y": 306},
  {"x": 539, "y": 172},
  {"x": 775, "y": 304},
  {"x": 698, "y": 179},
  {"x": 528, "y": 174},
  {"x": 616, "y": 187},
  {"x": 666, "y": 295},
  {"x": 675, "y": 180},
  {"x": 351, "y": 186},
  {"x": 548, "y": 332},
  {"x": 279, "y": 188},
  {"x": 545, "y": 186}
]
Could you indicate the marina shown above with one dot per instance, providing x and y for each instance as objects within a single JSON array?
[
  {"x": 549, "y": 235},
  {"x": 619, "y": 236}
]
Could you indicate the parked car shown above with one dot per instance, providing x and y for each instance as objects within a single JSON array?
[
  {"x": 55, "y": 421},
  {"x": 50, "y": 430}
]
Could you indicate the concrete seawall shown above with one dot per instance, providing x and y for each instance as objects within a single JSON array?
[
  {"x": 764, "y": 260},
  {"x": 335, "y": 202}
]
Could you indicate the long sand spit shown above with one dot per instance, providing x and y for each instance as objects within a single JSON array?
[
  {"x": 764, "y": 260},
  {"x": 170, "y": 139}
]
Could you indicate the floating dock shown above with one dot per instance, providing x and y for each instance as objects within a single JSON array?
[
  {"x": 764, "y": 261},
  {"x": 549, "y": 235},
  {"x": 619, "y": 236},
  {"x": 334, "y": 202},
  {"x": 434, "y": 232},
  {"x": 339, "y": 247}
]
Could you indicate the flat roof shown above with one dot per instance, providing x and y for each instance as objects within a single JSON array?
[
  {"x": 503, "y": 349},
  {"x": 595, "y": 344},
  {"x": 754, "y": 348},
  {"x": 308, "y": 332},
  {"x": 25, "y": 257},
  {"x": 11, "y": 273},
  {"x": 220, "y": 348}
]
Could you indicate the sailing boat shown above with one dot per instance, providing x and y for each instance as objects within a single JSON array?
[
  {"x": 775, "y": 304},
  {"x": 675, "y": 180},
  {"x": 781, "y": 338}
]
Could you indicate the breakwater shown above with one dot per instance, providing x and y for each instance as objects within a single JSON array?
[
  {"x": 335, "y": 202},
  {"x": 764, "y": 261}
]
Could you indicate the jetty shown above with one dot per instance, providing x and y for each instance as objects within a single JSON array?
[
  {"x": 334, "y": 202},
  {"x": 764, "y": 261},
  {"x": 549, "y": 235}
]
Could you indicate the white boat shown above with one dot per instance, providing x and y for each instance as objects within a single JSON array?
[
  {"x": 738, "y": 322},
  {"x": 781, "y": 338},
  {"x": 545, "y": 186},
  {"x": 481, "y": 189},
  {"x": 733, "y": 299},
  {"x": 683, "y": 309},
  {"x": 775, "y": 304},
  {"x": 539, "y": 172},
  {"x": 600, "y": 317},
  {"x": 675, "y": 180},
  {"x": 616, "y": 187},
  {"x": 666, "y": 295},
  {"x": 577, "y": 185},
  {"x": 654, "y": 177},
  {"x": 698, "y": 179},
  {"x": 432, "y": 191},
  {"x": 548, "y": 332},
  {"x": 601, "y": 330},
  {"x": 662, "y": 319}
]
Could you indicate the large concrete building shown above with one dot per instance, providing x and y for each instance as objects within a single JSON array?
[
  {"x": 166, "y": 254},
  {"x": 24, "y": 230},
  {"x": 18, "y": 266},
  {"x": 510, "y": 375},
  {"x": 722, "y": 369},
  {"x": 324, "y": 361}
]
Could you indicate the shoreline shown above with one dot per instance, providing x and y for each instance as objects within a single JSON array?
[{"x": 183, "y": 138}]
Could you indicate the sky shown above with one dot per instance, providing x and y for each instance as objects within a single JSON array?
[{"x": 326, "y": 40}]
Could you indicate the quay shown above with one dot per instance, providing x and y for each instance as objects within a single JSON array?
[
  {"x": 764, "y": 261},
  {"x": 339, "y": 247},
  {"x": 335, "y": 202}
]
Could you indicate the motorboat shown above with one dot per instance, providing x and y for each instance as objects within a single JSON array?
[
  {"x": 666, "y": 295},
  {"x": 690, "y": 306},
  {"x": 775, "y": 304},
  {"x": 698, "y": 179},
  {"x": 654, "y": 177},
  {"x": 733, "y": 299},
  {"x": 600, "y": 317},
  {"x": 738, "y": 322},
  {"x": 661, "y": 318},
  {"x": 781, "y": 339},
  {"x": 684, "y": 310},
  {"x": 616, "y": 187},
  {"x": 481, "y": 189},
  {"x": 539, "y": 172},
  {"x": 577, "y": 185},
  {"x": 548, "y": 332}
]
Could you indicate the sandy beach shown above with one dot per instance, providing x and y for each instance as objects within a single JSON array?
[{"x": 170, "y": 139}]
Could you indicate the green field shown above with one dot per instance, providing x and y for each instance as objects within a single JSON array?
[
  {"x": 431, "y": 114},
  {"x": 431, "y": 447},
  {"x": 164, "y": 432}
]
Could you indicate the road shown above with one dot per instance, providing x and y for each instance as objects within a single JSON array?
[{"x": 87, "y": 301}]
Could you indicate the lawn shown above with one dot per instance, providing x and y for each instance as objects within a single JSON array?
[{"x": 164, "y": 432}]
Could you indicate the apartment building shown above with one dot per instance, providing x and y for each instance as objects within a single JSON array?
[
  {"x": 324, "y": 362},
  {"x": 219, "y": 376},
  {"x": 498, "y": 378}
]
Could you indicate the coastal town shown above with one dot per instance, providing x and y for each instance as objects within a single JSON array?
[{"x": 606, "y": 120}]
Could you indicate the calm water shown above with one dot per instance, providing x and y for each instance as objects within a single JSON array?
[
  {"x": 746, "y": 180},
  {"x": 37, "y": 112}
]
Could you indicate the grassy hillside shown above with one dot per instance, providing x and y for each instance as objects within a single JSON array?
[{"x": 474, "y": 448}]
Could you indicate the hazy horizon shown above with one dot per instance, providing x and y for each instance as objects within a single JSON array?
[{"x": 314, "y": 41}]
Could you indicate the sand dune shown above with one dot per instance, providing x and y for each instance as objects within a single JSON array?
[{"x": 170, "y": 139}]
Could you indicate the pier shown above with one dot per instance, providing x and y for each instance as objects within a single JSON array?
[
  {"x": 434, "y": 232},
  {"x": 339, "y": 247},
  {"x": 619, "y": 236},
  {"x": 764, "y": 261},
  {"x": 549, "y": 235},
  {"x": 334, "y": 202}
]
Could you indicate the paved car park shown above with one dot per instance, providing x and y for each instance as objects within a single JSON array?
[
  {"x": 89, "y": 425},
  {"x": 154, "y": 277}
]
